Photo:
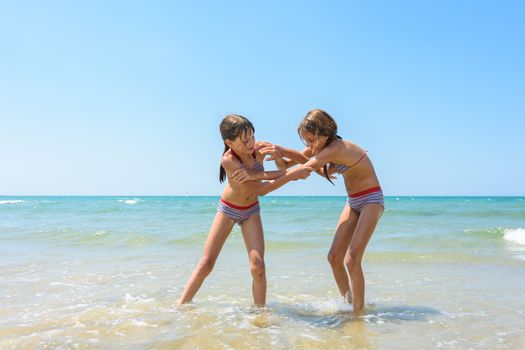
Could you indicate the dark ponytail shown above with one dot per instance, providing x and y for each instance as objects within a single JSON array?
[
  {"x": 231, "y": 127},
  {"x": 222, "y": 172}
]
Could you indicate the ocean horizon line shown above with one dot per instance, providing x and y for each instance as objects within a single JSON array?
[{"x": 273, "y": 196}]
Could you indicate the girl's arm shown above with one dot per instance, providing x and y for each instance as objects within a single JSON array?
[
  {"x": 265, "y": 148},
  {"x": 318, "y": 161},
  {"x": 265, "y": 187},
  {"x": 302, "y": 158},
  {"x": 242, "y": 175},
  {"x": 283, "y": 157},
  {"x": 305, "y": 157},
  {"x": 278, "y": 152},
  {"x": 238, "y": 172},
  {"x": 295, "y": 155},
  {"x": 231, "y": 165},
  {"x": 282, "y": 163}
]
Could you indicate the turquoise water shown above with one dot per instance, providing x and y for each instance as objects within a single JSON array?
[{"x": 100, "y": 272}]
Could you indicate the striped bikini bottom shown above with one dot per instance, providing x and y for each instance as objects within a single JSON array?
[
  {"x": 237, "y": 213},
  {"x": 358, "y": 200}
]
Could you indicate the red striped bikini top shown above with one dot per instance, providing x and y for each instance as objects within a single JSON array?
[{"x": 341, "y": 168}]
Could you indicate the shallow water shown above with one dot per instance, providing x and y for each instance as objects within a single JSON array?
[{"x": 106, "y": 272}]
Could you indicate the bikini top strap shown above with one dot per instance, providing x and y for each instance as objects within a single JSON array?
[
  {"x": 237, "y": 156},
  {"x": 360, "y": 159}
]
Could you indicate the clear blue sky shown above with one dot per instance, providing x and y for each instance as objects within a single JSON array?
[{"x": 125, "y": 97}]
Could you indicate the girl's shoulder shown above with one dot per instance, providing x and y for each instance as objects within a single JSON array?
[
  {"x": 346, "y": 145},
  {"x": 341, "y": 148},
  {"x": 230, "y": 163},
  {"x": 335, "y": 147},
  {"x": 228, "y": 158}
]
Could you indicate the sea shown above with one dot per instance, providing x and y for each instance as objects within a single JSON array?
[{"x": 106, "y": 273}]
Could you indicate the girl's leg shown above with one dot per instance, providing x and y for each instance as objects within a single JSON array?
[
  {"x": 219, "y": 231},
  {"x": 343, "y": 236},
  {"x": 368, "y": 219},
  {"x": 252, "y": 233}
]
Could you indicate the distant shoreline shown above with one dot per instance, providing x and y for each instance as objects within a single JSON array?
[{"x": 277, "y": 196}]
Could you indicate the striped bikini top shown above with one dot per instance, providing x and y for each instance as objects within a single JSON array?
[
  {"x": 341, "y": 168},
  {"x": 256, "y": 165}
]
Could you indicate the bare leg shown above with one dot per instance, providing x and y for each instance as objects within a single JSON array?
[
  {"x": 368, "y": 219},
  {"x": 343, "y": 235},
  {"x": 219, "y": 231},
  {"x": 252, "y": 233}
]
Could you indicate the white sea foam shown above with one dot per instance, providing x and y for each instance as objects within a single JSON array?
[
  {"x": 14, "y": 201},
  {"x": 515, "y": 235},
  {"x": 129, "y": 201},
  {"x": 130, "y": 299}
]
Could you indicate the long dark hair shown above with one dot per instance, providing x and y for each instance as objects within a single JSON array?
[
  {"x": 320, "y": 123},
  {"x": 232, "y": 126}
]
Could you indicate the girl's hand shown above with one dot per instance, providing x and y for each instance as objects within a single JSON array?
[
  {"x": 273, "y": 150},
  {"x": 241, "y": 175},
  {"x": 262, "y": 144},
  {"x": 301, "y": 172}
]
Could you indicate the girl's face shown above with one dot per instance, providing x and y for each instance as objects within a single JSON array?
[
  {"x": 315, "y": 143},
  {"x": 244, "y": 143}
]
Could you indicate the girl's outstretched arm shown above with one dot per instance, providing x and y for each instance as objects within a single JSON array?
[
  {"x": 265, "y": 187},
  {"x": 305, "y": 157},
  {"x": 318, "y": 161},
  {"x": 242, "y": 175},
  {"x": 297, "y": 156},
  {"x": 278, "y": 153},
  {"x": 283, "y": 157},
  {"x": 269, "y": 149}
]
